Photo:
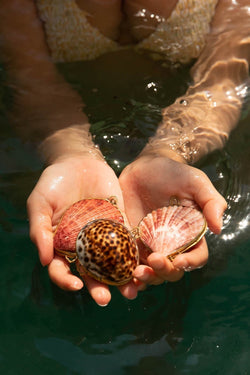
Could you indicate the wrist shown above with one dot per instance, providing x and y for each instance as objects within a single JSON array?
[
  {"x": 73, "y": 141},
  {"x": 222, "y": 90},
  {"x": 152, "y": 150},
  {"x": 195, "y": 125}
]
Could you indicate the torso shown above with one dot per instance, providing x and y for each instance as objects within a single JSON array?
[
  {"x": 128, "y": 20},
  {"x": 85, "y": 29}
]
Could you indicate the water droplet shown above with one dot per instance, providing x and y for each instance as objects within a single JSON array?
[{"x": 183, "y": 102}]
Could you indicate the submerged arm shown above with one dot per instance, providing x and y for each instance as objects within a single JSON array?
[
  {"x": 201, "y": 120},
  {"x": 194, "y": 125},
  {"x": 45, "y": 108}
]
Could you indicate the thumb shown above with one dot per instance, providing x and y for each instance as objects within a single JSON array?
[
  {"x": 212, "y": 204},
  {"x": 40, "y": 213},
  {"x": 213, "y": 211}
]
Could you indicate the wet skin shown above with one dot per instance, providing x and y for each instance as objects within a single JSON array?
[
  {"x": 71, "y": 175},
  {"x": 54, "y": 192}
]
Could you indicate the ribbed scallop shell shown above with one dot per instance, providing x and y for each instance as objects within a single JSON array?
[
  {"x": 76, "y": 217},
  {"x": 107, "y": 251},
  {"x": 173, "y": 229}
]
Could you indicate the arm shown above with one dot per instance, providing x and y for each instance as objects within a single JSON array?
[
  {"x": 47, "y": 110},
  {"x": 194, "y": 125},
  {"x": 44, "y": 103},
  {"x": 201, "y": 120}
]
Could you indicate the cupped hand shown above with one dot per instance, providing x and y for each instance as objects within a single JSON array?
[
  {"x": 60, "y": 185},
  {"x": 148, "y": 183}
]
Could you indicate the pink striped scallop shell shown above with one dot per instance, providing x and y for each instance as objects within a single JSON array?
[
  {"x": 172, "y": 230},
  {"x": 77, "y": 216}
]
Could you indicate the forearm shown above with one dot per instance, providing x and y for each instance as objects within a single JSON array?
[
  {"x": 45, "y": 108},
  {"x": 194, "y": 126},
  {"x": 55, "y": 121},
  {"x": 226, "y": 55},
  {"x": 201, "y": 120},
  {"x": 23, "y": 48}
]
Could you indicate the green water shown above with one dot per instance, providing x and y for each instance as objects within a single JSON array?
[{"x": 199, "y": 325}]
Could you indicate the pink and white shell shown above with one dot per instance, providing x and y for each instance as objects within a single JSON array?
[
  {"x": 77, "y": 216},
  {"x": 173, "y": 229}
]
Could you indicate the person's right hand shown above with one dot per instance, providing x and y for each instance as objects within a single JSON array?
[{"x": 60, "y": 185}]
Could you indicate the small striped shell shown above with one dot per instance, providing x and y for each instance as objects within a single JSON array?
[
  {"x": 107, "y": 251},
  {"x": 76, "y": 217},
  {"x": 172, "y": 230}
]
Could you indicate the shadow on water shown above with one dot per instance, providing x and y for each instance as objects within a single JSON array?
[{"x": 197, "y": 325}]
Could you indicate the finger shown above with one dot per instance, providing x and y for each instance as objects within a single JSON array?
[
  {"x": 60, "y": 274},
  {"x": 40, "y": 213},
  {"x": 101, "y": 294},
  {"x": 196, "y": 258},
  {"x": 129, "y": 290},
  {"x": 98, "y": 291},
  {"x": 213, "y": 212},
  {"x": 140, "y": 285},
  {"x": 146, "y": 275},
  {"x": 159, "y": 270},
  {"x": 211, "y": 202},
  {"x": 163, "y": 267}
]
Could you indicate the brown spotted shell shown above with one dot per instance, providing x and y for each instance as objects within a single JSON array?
[
  {"x": 172, "y": 230},
  {"x": 76, "y": 217},
  {"x": 92, "y": 230},
  {"x": 107, "y": 251}
]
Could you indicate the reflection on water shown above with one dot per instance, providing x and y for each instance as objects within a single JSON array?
[
  {"x": 121, "y": 142},
  {"x": 194, "y": 326},
  {"x": 105, "y": 362},
  {"x": 124, "y": 112}
]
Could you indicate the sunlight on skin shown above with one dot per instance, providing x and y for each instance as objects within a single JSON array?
[
  {"x": 45, "y": 212},
  {"x": 45, "y": 209},
  {"x": 59, "y": 267},
  {"x": 146, "y": 184}
]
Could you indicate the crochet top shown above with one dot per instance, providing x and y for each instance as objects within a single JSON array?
[{"x": 179, "y": 38}]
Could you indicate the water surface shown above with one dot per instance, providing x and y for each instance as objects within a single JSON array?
[{"x": 199, "y": 325}]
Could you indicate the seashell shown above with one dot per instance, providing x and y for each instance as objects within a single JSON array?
[
  {"x": 92, "y": 231},
  {"x": 76, "y": 217},
  {"x": 107, "y": 251},
  {"x": 172, "y": 230}
]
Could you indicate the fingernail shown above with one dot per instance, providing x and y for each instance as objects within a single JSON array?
[
  {"x": 77, "y": 285},
  {"x": 99, "y": 304}
]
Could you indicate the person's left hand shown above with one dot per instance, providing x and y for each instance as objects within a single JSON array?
[{"x": 148, "y": 183}]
